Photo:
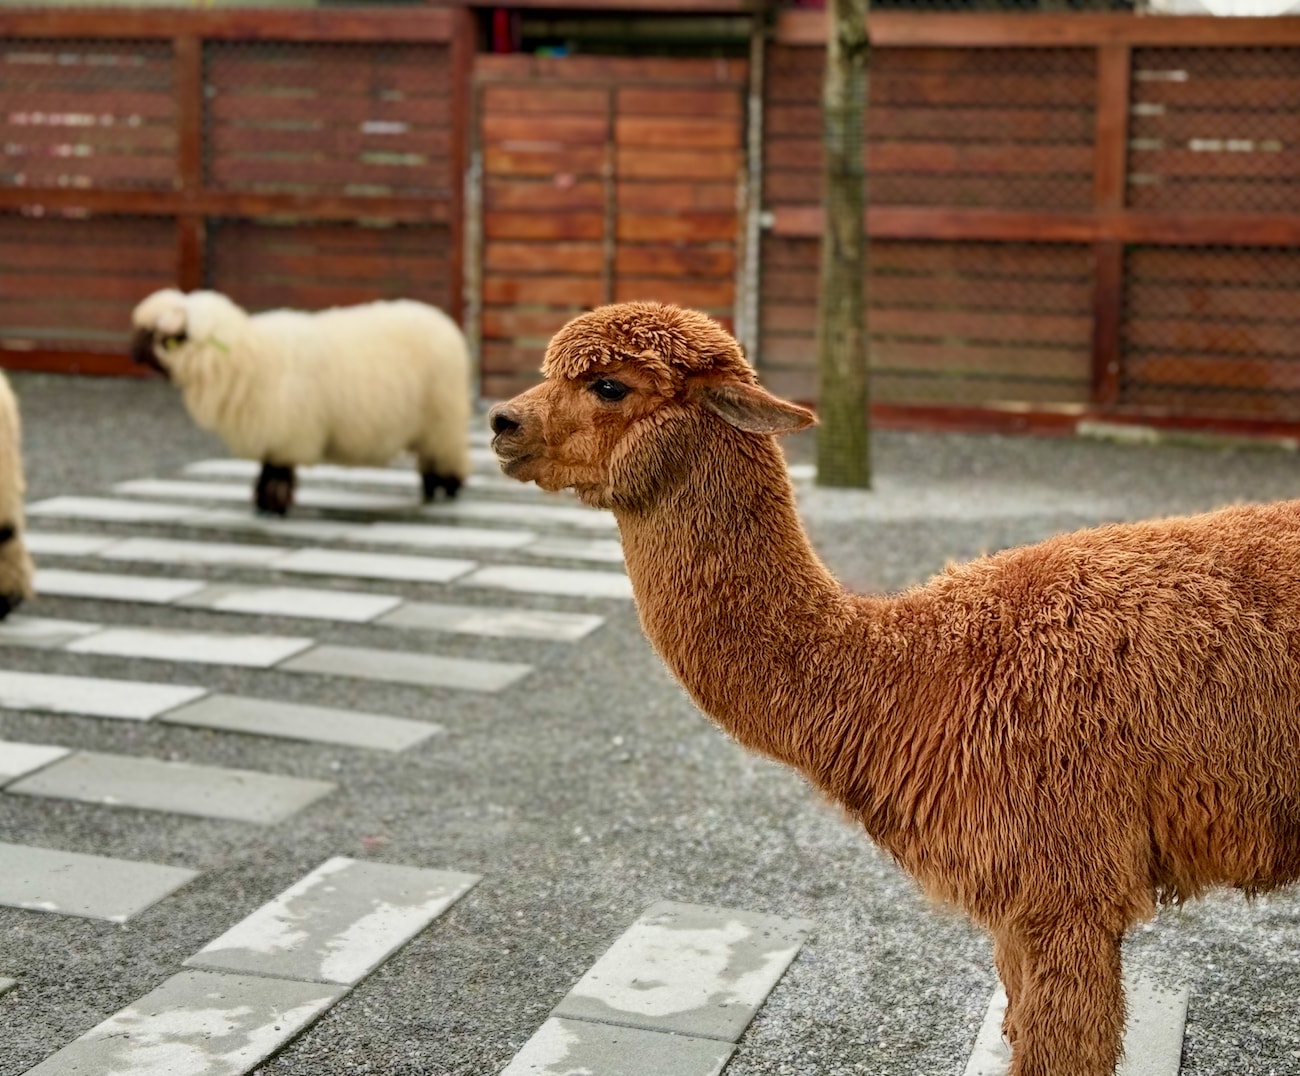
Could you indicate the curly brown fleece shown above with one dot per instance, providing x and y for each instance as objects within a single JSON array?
[{"x": 1054, "y": 738}]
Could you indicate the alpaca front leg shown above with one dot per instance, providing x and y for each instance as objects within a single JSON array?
[
  {"x": 1069, "y": 1013},
  {"x": 274, "y": 491}
]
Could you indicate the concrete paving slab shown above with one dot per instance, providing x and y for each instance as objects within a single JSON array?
[
  {"x": 233, "y": 519},
  {"x": 178, "y": 787},
  {"x": 559, "y": 547},
  {"x": 89, "y": 696},
  {"x": 180, "y": 551},
  {"x": 93, "y": 887},
  {"x": 196, "y": 1023},
  {"x": 1153, "y": 1035},
  {"x": 232, "y": 492},
  {"x": 107, "y": 509},
  {"x": 60, "y": 544},
  {"x": 206, "y": 648},
  {"x": 574, "y": 1047},
  {"x": 338, "y": 923},
  {"x": 434, "y": 536},
  {"x": 398, "y": 475},
  {"x": 110, "y": 586},
  {"x": 404, "y": 667},
  {"x": 689, "y": 970},
  {"x": 526, "y": 515},
  {"x": 19, "y": 759},
  {"x": 374, "y": 565},
  {"x": 302, "y": 602},
  {"x": 44, "y": 633},
  {"x": 293, "y": 721},
  {"x": 570, "y": 582},
  {"x": 493, "y": 622}
]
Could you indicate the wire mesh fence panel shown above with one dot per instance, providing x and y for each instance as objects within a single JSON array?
[
  {"x": 955, "y": 127},
  {"x": 948, "y": 323},
  {"x": 71, "y": 283},
  {"x": 86, "y": 114},
  {"x": 310, "y": 265},
  {"x": 1215, "y": 130},
  {"x": 323, "y": 117},
  {"x": 1213, "y": 332}
]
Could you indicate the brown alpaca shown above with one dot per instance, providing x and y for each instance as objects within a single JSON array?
[{"x": 1054, "y": 738}]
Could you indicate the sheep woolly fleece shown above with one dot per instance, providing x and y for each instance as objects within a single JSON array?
[
  {"x": 351, "y": 385},
  {"x": 15, "y": 565},
  {"x": 1054, "y": 738}
]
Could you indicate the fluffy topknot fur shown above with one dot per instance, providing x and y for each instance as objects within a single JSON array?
[{"x": 668, "y": 343}]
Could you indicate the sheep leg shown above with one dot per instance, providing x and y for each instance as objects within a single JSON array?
[
  {"x": 15, "y": 571},
  {"x": 1069, "y": 1015},
  {"x": 274, "y": 492},
  {"x": 432, "y": 481}
]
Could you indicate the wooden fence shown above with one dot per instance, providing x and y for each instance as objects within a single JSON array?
[
  {"x": 1072, "y": 216},
  {"x": 301, "y": 158}
]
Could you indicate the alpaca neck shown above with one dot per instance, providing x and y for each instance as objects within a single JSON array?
[{"x": 735, "y": 600}]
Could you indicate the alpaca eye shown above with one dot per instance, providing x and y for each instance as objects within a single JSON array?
[
  {"x": 609, "y": 389},
  {"x": 6, "y": 534}
]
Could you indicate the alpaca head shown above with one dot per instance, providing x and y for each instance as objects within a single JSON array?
[
  {"x": 173, "y": 330},
  {"x": 635, "y": 393}
]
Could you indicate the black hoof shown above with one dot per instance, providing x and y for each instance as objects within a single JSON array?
[
  {"x": 8, "y": 603},
  {"x": 432, "y": 482},
  {"x": 274, "y": 492}
]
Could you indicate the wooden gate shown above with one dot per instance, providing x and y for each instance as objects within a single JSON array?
[{"x": 604, "y": 179}]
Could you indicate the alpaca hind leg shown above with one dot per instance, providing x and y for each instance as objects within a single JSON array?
[
  {"x": 1069, "y": 1015},
  {"x": 274, "y": 491}
]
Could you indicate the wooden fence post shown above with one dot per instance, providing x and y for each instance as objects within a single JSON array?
[
  {"x": 1110, "y": 173},
  {"x": 190, "y": 226}
]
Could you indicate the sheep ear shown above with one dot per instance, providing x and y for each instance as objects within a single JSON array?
[
  {"x": 171, "y": 322},
  {"x": 754, "y": 409}
]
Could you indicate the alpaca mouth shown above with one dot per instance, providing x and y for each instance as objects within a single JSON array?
[{"x": 510, "y": 465}]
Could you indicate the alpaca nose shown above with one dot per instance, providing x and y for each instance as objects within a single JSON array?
[{"x": 502, "y": 421}]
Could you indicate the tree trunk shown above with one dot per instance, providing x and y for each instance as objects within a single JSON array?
[{"x": 843, "y": 442}]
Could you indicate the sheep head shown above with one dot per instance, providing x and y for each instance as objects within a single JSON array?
[
  {"x": 171, "y": 328},
  {"x": 635, "y": 394}
]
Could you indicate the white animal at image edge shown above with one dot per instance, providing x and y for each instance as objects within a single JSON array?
[{"x": 16, "y": 569}]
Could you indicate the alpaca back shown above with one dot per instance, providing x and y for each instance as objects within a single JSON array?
[{"x": 1139, "y": 684}]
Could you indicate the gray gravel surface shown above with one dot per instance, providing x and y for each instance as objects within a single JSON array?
[{"x": 591, "y": 791}]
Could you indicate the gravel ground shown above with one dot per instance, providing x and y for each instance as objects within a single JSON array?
[{"x": 596, "y": 791}]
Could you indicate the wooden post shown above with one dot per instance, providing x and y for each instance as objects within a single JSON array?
[
  {"x": 464, "y": 44},
  {"x": 1110, "y": 174},
  {"x": 190, "y": 226},
  {"x": 843, "y": 448}
]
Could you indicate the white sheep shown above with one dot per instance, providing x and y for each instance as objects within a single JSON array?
[
  {"x": 351, "y": 385},
  {"x": 15, "y": 564}
]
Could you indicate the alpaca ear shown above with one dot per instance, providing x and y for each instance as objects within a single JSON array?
[{"x": 754, "y": 409}]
